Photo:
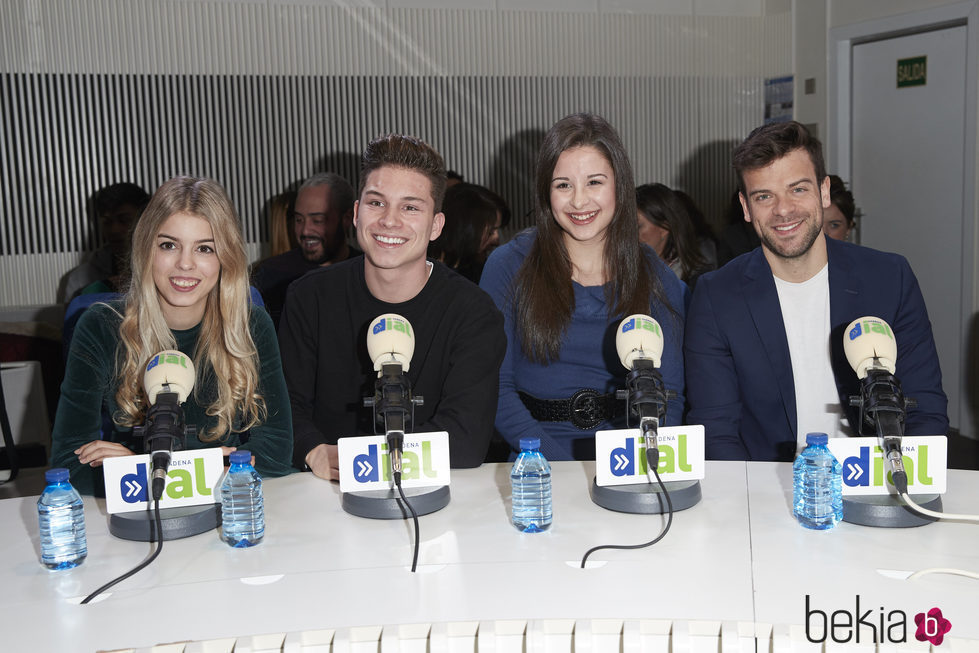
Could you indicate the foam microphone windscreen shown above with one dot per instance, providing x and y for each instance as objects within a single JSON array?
[
  {"x": 390, "y": 339},
  {"x": 639, "y": 336},
  {"x": 169, "y": 368},
  {"x": 869, "y": 342}
]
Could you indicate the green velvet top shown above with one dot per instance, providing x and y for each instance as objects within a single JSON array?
[{"x": 89, "y": 389}]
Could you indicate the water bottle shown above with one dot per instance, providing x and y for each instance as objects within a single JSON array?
[
  {"x": 530, "y": 482},
  {"x": 61, "y": 519},
  {"x": 818, "y": 481},
  {"x": 242, "y": 505}
]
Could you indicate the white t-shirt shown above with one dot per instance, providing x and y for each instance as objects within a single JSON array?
[{"x": 805, "y": 313}]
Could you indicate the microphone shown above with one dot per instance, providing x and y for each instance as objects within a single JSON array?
[
  {"x": 871, "y": 350},
  {"x": 639, "y": 344},
  {"x": 869, "y": 343},
  {"x": 168, "y": 379},
  {"x": 390, "y": 345}
]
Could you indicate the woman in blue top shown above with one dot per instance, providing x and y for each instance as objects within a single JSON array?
[{"x": 564, "y": 286}]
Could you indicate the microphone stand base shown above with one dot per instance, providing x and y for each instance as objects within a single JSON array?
[
  {"x": 179, "y": 522},
  {"x": 889, "y": 511},
  {"x": 646, "y": 498},
  {"x": 387, "y": 504}
]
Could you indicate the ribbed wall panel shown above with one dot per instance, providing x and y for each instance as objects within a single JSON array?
[
  {"x": 65, "y": 136},
  {"x": 260, "y": 95}
]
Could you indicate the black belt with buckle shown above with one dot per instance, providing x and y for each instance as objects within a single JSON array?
[{"x": 586, "y": 408}]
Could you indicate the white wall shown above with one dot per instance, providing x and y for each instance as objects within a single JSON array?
[
  {"x": 848, "y": 12},
  {"x": 829, "y": 109},
  {"x": 811, "y": 22},
  {"x": 809, "y": 62}
]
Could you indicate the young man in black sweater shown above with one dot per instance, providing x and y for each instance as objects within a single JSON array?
[{"x": 459, "y": 340}]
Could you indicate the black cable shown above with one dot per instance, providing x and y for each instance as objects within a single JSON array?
[
  {"x": 900, "y": 479},
  {"x": 140, "y": 566},
  {"x": 414, "y": 516},
  {"x": 651, "y": 456}
]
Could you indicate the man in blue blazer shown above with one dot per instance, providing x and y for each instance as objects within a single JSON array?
[{"x": 763, "y": 345}]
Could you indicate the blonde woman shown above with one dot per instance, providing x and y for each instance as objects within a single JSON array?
[{"x": 188, "y": 291}]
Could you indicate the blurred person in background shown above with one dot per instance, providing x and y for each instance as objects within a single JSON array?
[
  {"x": 116, "y": 208},
  {"x": 474, "y": 216},
  {"x": 838, "y": 219},
  {"x": 322, "y": 213},
  {"x": 665, "y": 225}
]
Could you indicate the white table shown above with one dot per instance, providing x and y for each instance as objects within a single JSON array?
[
  {"x": 729, "y": 563},
  {"x": 834, "y": 567}
]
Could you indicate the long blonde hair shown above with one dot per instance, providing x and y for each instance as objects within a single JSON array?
[
  {"x": 225, "y": 346},
  {"x": 282, "y": 237}
]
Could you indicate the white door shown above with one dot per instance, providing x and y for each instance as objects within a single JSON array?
[{"x": 907, "y": 169}]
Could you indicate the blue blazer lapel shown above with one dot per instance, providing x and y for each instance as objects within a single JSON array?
[
  {"x": 844, "y": 306},
  {"x": 844, "y": 286},
  {"x": 766, "y": 312}
]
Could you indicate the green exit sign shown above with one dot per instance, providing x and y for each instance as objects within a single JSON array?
[{"x": 912, "y": 72}]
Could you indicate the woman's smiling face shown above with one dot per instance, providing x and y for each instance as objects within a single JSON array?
[
  {"x": 583, "y": 194},
  {"x": 185, "y": 268}
]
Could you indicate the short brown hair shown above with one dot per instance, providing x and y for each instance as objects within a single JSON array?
[
  {"x": 768, "y": 143},
  {"x": 400, "y": 151}
]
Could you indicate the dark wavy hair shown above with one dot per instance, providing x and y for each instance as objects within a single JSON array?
[
  {"x": 665, "y": 208},
  {"x": 470, "y": 211},
  {"x": 544, "y": 294}
]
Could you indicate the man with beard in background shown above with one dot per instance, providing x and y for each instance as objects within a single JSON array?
[{"x": 321, "y": 216}]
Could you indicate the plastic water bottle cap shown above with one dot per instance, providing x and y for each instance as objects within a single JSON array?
[
  {"x": 529, "y": 443},
  {"x": 240, "y": 457},
  {"x": 56, "y": 475},
  {"x": 816, "y": 438}
]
